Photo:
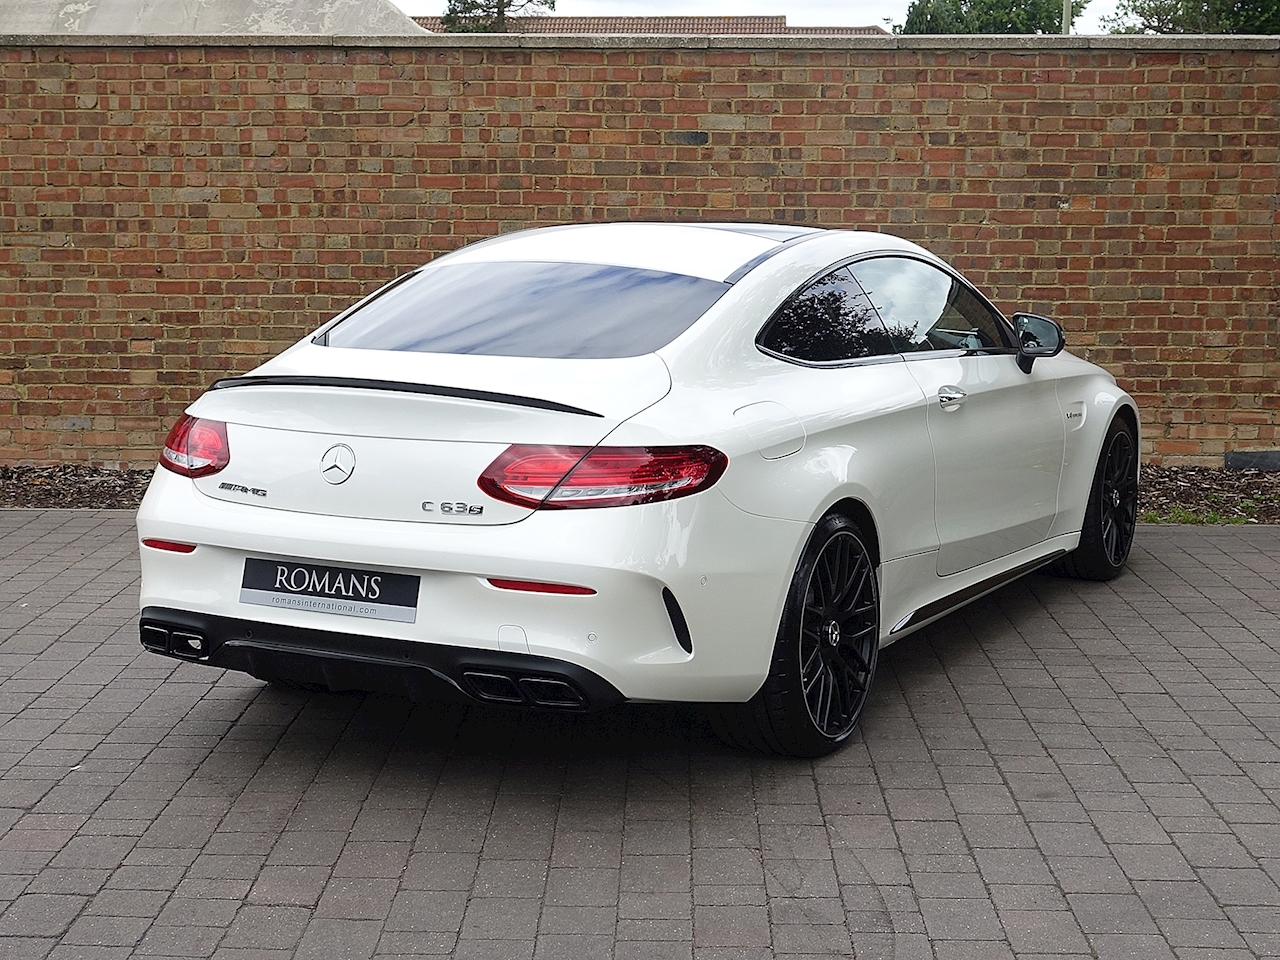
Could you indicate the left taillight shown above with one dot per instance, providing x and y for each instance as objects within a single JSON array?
[
  {"x": 566, "y": 478},
  {"x": 196, "y": 447}
]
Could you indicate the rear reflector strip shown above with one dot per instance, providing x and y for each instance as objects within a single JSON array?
[
  {"x": 533, "y": 586},
  {"x": 170, "y": 545}
]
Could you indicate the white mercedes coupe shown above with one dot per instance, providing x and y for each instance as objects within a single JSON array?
[{"x": 578, "y": 465}]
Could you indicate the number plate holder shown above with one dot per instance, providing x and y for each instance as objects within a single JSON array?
[{"x": 344, "y": 591}]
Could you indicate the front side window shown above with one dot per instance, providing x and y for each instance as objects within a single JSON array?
[
  {"x": 925, "y": 308},
  {"x": 530, "y": 309},
  {"x": 829, "y": 321}
]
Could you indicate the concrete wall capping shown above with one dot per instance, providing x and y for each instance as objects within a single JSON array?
[{"x": 1037, "y": 42}]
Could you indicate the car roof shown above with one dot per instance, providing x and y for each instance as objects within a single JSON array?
[{"x": 713, "y": 251}]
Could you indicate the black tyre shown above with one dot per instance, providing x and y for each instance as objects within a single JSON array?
[
  {"x": 1112, "y": 512},
  {"x": 824, "y": 658}
]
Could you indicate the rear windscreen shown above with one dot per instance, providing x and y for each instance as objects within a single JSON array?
[{"x": 521, "y": 309}]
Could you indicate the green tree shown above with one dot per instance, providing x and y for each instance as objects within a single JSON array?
[
  {"x": 933, "y": 16},
  {"x": 1162, "y": 16},
  {"x": 988, "y": 16},
  {"x": 489, "y": 16},
  {"x": 1250, "y": 16},
  {"x": 1195, "y": 16}
]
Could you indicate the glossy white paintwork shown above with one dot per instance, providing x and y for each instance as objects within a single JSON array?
[
  {"x": 956, "y": 496},
  {"x": 668, "y": 247},
  {"x": 627, "y": 554},
  {"x": 981, "y": 516}
]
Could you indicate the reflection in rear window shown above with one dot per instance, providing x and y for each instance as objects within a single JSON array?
[{"x": 521, "y": 309}]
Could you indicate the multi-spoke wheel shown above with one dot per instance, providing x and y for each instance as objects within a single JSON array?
[
  {"x": 838, "y": 635},
  {"x": 824, "y": 658},
  {"x": 1119, "y": 501},
  {"x": 1112, "y": 511}
]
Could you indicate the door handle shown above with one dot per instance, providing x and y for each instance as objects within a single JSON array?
[{"x": 951, "y": 397}]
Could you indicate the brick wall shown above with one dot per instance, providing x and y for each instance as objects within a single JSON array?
[{"x": 170, "y": 214}]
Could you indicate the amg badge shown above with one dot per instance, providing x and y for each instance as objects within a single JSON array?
[{"x": 240, "y": 488}]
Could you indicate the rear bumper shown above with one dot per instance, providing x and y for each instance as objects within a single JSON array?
[
  {"x": 728, "y": 571},
  {"x": 339, "y": 661}
]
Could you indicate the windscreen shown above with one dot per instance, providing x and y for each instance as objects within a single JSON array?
[{"x": 524, "y": 309}]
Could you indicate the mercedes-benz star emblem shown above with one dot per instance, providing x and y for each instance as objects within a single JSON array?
[{"x": 338, "y": 463}]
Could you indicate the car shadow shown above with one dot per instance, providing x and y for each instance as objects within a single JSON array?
[{"x": 911, "y": 671}]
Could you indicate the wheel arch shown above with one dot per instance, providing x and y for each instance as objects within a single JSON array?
[
  {"x": 1100, "y": 555},
  {"x": 1130, "y": 415},
  {"x": 859, "y": 513}
]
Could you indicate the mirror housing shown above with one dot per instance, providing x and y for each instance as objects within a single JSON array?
[{"x": 1037, "y": 337}]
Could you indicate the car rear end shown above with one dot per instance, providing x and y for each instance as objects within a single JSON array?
[{"x": 450, "y": 521}]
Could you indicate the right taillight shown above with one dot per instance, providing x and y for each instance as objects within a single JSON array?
[
  {"x": 564, "y": 478},
  {"x": 196, "y": 448}
]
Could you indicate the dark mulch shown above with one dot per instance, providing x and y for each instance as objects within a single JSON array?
[
  {"x": 1168, "y": 494},
  {"x": 72, "y": 485},
  {"x": 1208, "y": 495}
]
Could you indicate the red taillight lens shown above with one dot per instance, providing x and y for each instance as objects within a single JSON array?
[
  {"x": 562, "y": 478},
  {"x": 537, "y": 586},
  {"x": 525, "y": 474},
  {"x": 196, "y": 448},
  {"x": 172, "y": 546}
]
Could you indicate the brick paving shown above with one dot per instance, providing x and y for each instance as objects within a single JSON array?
[{"x": 1061, "y": 770}]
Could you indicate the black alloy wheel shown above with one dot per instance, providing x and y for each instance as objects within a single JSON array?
[
  {"x": 839, "y": 633},
  {"x": 1119, "y": 502},
  {"x": 824, "y": 658},
  {"x": 1111, "y": 515}
]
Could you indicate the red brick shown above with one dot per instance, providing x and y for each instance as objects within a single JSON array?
[{"x": 172, "y": 215}]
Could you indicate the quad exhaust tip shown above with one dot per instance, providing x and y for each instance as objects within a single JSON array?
[
  {"x": 496, "y": 683},
  {"x": 178, "y": 643},
  {"x": 539, "y": 691}
]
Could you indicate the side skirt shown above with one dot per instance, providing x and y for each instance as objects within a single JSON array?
[{"x": 953, "y": 601}]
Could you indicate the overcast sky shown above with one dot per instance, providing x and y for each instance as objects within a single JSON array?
[{"x": 801, "y": 13}]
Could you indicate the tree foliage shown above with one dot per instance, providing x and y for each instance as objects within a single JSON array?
[
  {"x": 1195, "y": 16},
  {"x": 989, "y": 16},
  {"x": 489, "y": 16},
  {"x": 1251, "y": 16}
]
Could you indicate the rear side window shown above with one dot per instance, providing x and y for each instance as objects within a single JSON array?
[
  {"x": 524, "y": 309},
  {"x": 829, "y": 321}
]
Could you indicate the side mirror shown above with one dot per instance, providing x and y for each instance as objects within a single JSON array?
[{"x": 1037, "y": 337}]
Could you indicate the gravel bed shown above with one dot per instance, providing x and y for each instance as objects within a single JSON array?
[{"x": 1167, "y": 494}]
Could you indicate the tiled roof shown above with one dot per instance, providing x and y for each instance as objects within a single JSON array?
[
  {"x": 168, "y": 18},
  {"x": 679, "y": 26}
]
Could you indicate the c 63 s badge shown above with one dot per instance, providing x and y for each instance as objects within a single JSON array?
[
  {"x": 240, "y": 488},
  {"x": 454, "y": 508}
]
